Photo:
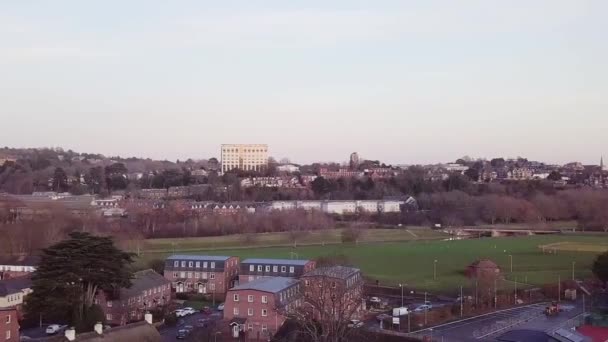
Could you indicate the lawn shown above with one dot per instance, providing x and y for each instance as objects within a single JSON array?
[{"x": 411, "y": 262}]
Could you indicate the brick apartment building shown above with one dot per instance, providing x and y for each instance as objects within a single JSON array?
[
  {"x": 334, "y": 292},
  {"x": 252, "y": 269},
  {"x": 14, "y": 290},
  {"x": 205, "y": 274},
  {"x": 148, "y": 291},
  {"x": 257, "y": 309},
  {"x": 9, "y": 326},
  {"x": 17, "y": 266}
]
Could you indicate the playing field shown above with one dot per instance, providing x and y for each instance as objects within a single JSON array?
[
  {"x": 598, "y": 246},
  {"x": 412, "y": 262}
]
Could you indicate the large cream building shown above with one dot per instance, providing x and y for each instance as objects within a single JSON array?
[{"x": 248, "y": 157}]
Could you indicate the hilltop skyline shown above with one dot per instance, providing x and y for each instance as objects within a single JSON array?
[{"x": 403, "y": 82}]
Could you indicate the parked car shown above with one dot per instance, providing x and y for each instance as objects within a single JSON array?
[
  {"x": 423, "y": 307},
  {"x": 188, "y": 311},
  {"x": 54, "y": 328},
  {"x": 203, "y": 322},
  {"x": 207, "y": 310},
  {"x": 375, "y": 300},
  {"x": 189, "y": 328},
  {"x": 355, "y": 323},
  {"x": 180, "y": 313},
  {"x": 221, "y": 307},
  {"x": 182, "y": 334}
]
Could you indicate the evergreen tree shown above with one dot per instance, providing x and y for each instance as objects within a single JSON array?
[{"x": 71, "y": 272}]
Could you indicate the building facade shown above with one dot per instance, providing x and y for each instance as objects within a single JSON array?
[
  {"x": 14, "y": 290},
  {"x": 13, "y": 267},
  {"x": 149, "y": 290},
  {"x": 259, "y": 308},
  {"x": 252, "y": 269},
  {"x": 246, "y": 157},
  {"x": 334, "y": 292},
  {"x": 9, "y": 326},
  {"x": 204, "y": 274}
]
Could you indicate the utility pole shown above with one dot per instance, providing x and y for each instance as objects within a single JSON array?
[
  {"x": 495, "y": 298},
  {"x": 559, "y": 288},
  {"x": 435, "y": 269},
  {"x": 573, "y": 263},
  {"x": 426, "y": 309},
  {"x": 401, "y": 286},
  {"x": 461, "y": 301},
  {"x": 515, "y": 293},
  {"x": 409, "y": 325},
  {"x": 511, "y": 259}
]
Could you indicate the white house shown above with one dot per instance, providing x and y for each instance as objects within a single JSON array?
[{"x": 288, "y": 168}]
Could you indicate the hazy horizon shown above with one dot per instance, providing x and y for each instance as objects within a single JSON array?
[{"x": 414, "y": 82}]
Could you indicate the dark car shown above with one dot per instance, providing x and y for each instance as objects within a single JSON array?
[
  {"x": 182, "y": 334},
  {"x": 207, "y": 310}
]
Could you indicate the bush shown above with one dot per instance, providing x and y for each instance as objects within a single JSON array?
[
  {"x": 171, "y": 319},
  {"x": 182, "y": 296}
]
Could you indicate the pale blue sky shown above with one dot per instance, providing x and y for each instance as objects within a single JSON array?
[{"x": 401, "y": 81}]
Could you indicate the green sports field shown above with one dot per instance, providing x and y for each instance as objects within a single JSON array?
[{"x": 411, "y": 262}]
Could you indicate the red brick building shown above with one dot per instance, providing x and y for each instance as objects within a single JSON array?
[
  {"x": 17, "y": 266},
  {"x": 148, "y": 291},
  {"x": 334, "y": 292},
  {"x": 257, "y": 309},
  {"x": 9, "y": 326},
  {"x": 205, "y": 274},
  {"x": 252, "y": 269}
]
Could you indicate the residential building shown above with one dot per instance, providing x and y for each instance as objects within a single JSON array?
[
  {"x": 288, "y": 168},
  {"x": 138, "y": 331},
  {"x": 14, "y": 290},
  {"x": 520, "y": 174},
  {"x": 334, "y": 292},
  {"x": 246, "y": 157},
  {"x": 341, "y": 173},
  {"x": 271, "y": 182},
  {"x": 148, "y": 291},
  {"x": 259, "y": 308},
  {"x": 17, "y": 266},
  {"x": 342, "y": 207},
  {"x": 252, "y": 269},
  {"x": 205, "y": 274},
  {"x": 9, "y": 325},
  {"x": 153, "y": 194},
  {"x": 222, "y": 208}
]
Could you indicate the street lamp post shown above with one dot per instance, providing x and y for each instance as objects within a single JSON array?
[
  {"x": 573, "y": 263},
  {"x": 426, "y": 309},
  {"x": 401, "y": 286},
  {"x": 511, "y": 262},
  {"x": 435, "y": 269}
]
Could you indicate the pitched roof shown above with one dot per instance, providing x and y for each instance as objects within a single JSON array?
[
  {"x": 15, "y": 285},
  {"x": 143, "y": 280},
  {"x": 20, "y": 260},
  {"x": 276, "y": 261},
  {"x": 340, "y": 272},
  {"x": 199, "y": 257},
  {"x": 270, "y": 284}
]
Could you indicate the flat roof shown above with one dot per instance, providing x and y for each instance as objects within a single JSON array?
[
  {"x": 270, "y": 284},
  {"x": 294, "y": 262},
  {"x": 340, "y": 272},
  {"x": 199, "y": 257}
]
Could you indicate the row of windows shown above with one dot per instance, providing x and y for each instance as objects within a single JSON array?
[
  {"x": 14, "y": 298},
  {"x": 236, "y": 312},
  {"x": 195, "y": 275},
  {"x": 250, "y": 298},
  {"x": 275, "y": 269},
  {"x": 8, "y": 319},
  {"x": 145, "y": 293},
  {"x": 246, "y": 150},
  {"x": 192, "y": 264},
  {"x": 17, "y": 268}
]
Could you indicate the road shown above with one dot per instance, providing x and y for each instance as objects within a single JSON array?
[{"x": 489, "y": 327}]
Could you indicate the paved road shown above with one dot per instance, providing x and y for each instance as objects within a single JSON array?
[{"x": 488, "y": 327}]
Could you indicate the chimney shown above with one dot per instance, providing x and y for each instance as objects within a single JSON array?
[
  {"x": 98, "y": 328},
  {"x": 70, "y": 334},
  {"x": 148, "y": 317}
]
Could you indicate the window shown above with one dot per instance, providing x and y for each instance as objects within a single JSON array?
[
  {"x": 333, "y": 284},
  {"x": 197, "y": 275},
  {"x": 176, "y": 263},
  {"x": 183, "y": 264},
  {"x": 267, "y": 268},
  {"x": 212, "y": 286},
  {"x": 265, "y": 299},
  {"x": 250, "y": 327},
  {"x": 212, "y": 276},
  {"x": 175, "y": 275},
  {"x": 292, "y": 269},
  {"x": 198, "y": 264},
  {"x": 8, "y": 334},
  {"x": 182, "y": 274},
  {"x": 189, "y": 275},
  {"x": 108, "y": 317},
  {"x": 306, "y": 282},
  {"x": 235, "y": 311},
  {"x": 251, "y": 278},
  {"x": 259, "y": 268},
  {"x": 251, "y": 268},
  {"x": 236, "y": 297},
  {"x": 264, "y": 328},
  {"x": 109, "y": 303},
  {"x": 191, "y": 264},
  {"x": 250, "y": 298},
  {"x": 283, "y": 268},
  {"x": 264, "y": 312},
  {"x": 275, "y": 269},
  {"x": 250, "y": 312},
  {"x": 8, "y": 319},
  {"x": 205, "y": 264},
  {"x": 213, "y": 265}
]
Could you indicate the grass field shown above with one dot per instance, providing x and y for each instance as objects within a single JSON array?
[
  {"x": 572, "y": 246},
  {"x": 411, "y": 262}
]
